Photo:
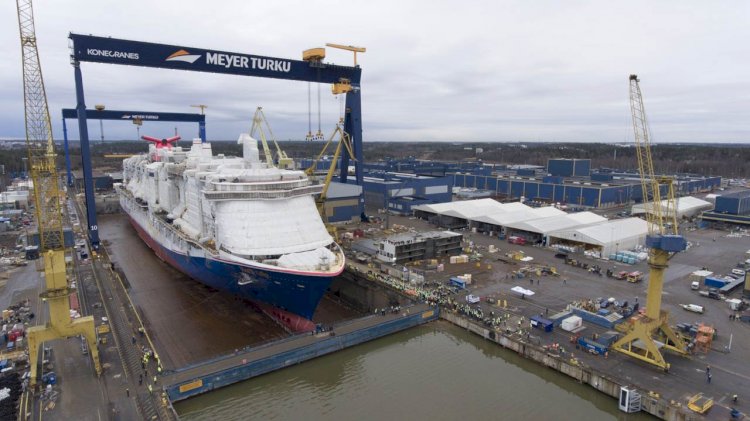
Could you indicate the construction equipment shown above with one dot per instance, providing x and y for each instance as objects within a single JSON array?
[
  {"x": 259, "y": 119},
  {"x": 650, "y": 333},
  {"x": 344, "y": 85},
  {"x": 345, "y": 141},
  {"x": 700, "y": 403},
  {"x": 48, "y": 198},
  {"x": 202, "y": 107}
]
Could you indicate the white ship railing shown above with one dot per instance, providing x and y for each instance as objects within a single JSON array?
[{"x": 262, "y": 195}]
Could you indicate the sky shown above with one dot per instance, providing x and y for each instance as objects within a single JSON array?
[{"x": 483, "y": 71}]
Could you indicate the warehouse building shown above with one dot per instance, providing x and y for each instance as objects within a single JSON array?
[
  {"x": 342, "y": 202},
  {"x": 554, "y": 189},
  {"x": 605, "y": 238},
  {"x": 569, "y": 167},
  {"x": 731, "y": 208},
  {"x": 402, "y": 191},
  {"x": 687, "y": 207},
  {"x": 402, "y": 248}
]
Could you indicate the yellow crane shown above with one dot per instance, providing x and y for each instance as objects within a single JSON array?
[
  {"x": 344, "y": 140},
  {"x": 259, "y": 120},
  {"x": 648, "y": 334},
  {"x": 201, "y": 106},
  {"x": 47, "y": 198}
]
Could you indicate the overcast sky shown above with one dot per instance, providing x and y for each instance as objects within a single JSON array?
[{"x": 434, "y": 70}]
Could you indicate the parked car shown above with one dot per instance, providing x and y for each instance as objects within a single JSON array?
[{"x": 472, "y": 299}]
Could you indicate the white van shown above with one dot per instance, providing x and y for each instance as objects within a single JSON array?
[{"x": 695, "y": 285}]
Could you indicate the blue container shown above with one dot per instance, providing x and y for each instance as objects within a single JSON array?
[
  {"x": 714, "y": 283},
  {"x": 613, "y": 256},
  {"x": 631, "y": 260},
  {"x": 603, "y": 312},
  {"x": 458, "y": 283},
  {"x": 542, "y": 323},
  {"x": 619, "y": 257}
]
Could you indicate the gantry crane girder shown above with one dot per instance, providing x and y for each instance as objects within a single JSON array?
[
  {"x": 48, "y": 199},
  {"x": 95, "y": 49},
  {"x": 647, "y": 334}
]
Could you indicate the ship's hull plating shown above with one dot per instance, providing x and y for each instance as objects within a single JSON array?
[{"x": 289, "y": 296}]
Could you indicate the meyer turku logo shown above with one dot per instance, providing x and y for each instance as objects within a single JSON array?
[
  {"x": 229, "y": 61},
  {"x": 183, "y": 55}
]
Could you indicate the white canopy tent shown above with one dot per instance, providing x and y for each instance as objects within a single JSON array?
[
  {"x": 544, "y": 226},
  {"x": 609, "y": 237},
  {"x": 687, "y": 207},
  {"x": 504, "y": 218}
]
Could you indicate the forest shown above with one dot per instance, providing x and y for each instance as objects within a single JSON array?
[{"x": 726, "y": 160}]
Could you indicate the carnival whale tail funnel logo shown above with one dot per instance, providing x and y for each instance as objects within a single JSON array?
[{"x": 183, "y": 55}]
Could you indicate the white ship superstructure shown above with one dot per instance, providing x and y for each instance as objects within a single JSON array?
[{"x": 235, "y": 223}]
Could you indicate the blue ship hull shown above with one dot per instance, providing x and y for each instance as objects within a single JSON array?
[{"x": 291, "y": 298}]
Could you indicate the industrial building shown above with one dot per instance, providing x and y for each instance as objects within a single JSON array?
[
  {"x": 342, "y": 202},
  {"x": 687, "y": 207},
  {"x": 399, "y": 192},
  {"x": 14, "y": 199},
  {"x": 408, "y": 247},
  {"x": 553, "y": 189},
  {"x": 569, "y": 167},
  {"x": 731, "y": 208}
]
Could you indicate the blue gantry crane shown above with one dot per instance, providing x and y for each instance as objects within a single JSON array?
[
  {"x": 136, "y": 117},
  {"x": 345, "y": 80}
]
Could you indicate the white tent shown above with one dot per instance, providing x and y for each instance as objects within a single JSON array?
[
  {"x": 544, "y": 226},
  {"x": 504, "y": 218},
  {"x": 470, "y": 209},
  {"x": 687, "y": 207},
  {"x": 609, "y": 237}
]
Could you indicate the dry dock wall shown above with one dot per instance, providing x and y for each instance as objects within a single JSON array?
[{"x": 658, "y": 407}]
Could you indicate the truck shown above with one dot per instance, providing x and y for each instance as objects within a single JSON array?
[
  {"x": 692, "y": 308},
  {"x": 472, "y": 299},
  {"x": 635, "y": 277},
  {"x": 711, "y": 293},
  {"x": 513, "y": 239}
]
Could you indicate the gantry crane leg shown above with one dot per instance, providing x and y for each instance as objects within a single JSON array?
[{"x": 60, "y": 324}]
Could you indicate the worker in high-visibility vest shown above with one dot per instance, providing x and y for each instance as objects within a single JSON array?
[{"x": 150, "y": 389}]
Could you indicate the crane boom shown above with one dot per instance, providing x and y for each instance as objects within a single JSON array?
[
  {"x": 647, "y": 336},
  {"x": 39, "y": 142},
  {"x": 48, "y": 198}
]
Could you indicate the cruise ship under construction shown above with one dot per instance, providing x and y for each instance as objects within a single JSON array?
[{"x": 234, "y": 223}]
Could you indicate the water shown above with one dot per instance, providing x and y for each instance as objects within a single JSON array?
[{"x": 436, "y": 372}]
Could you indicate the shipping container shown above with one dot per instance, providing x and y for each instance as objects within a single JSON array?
[
  {"x": 540, "y": 322},
  {"x": 714, "y": 282}
]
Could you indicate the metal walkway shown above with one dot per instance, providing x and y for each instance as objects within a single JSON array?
[{"x": 226, "y": 370}]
